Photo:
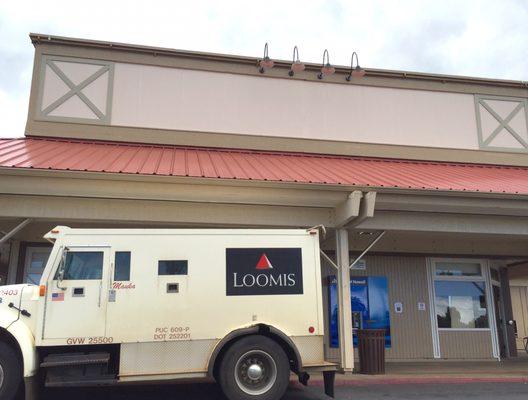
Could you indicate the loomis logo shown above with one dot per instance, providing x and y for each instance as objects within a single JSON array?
[
  {"x": 264, "y": 262},
  {"x": 263, "y": 271}
]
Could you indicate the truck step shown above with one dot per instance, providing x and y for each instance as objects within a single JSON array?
[
  {"x": 78, "y": 381},
  {"x": 74, "y": 359}
]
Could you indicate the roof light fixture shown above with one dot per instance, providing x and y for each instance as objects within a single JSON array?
[
  {"x": 326, "y": 68},
  {"x": 266, "y": 62},
  {"x": 297, "y": 65},
  {"x": 356, "y": 72}
]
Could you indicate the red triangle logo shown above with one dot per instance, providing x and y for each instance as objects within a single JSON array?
[{"x": 264, "y": 262}]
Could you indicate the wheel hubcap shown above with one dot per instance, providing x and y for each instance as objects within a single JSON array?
[{"x": 255, "y": 372}]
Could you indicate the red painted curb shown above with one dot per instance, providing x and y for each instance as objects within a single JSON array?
[{"x": 420, "y": 380}]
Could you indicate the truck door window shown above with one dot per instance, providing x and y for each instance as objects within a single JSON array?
[
  {"x": 83, "y": 265},
  {"x": 172, "y": 267},
  {"x": 122, "y": 266}
]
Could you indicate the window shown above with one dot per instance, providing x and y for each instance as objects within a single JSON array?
[
  {"x": 35, "y": 262},
  {"x": 460, "y": 295},
  {"x": 461, "y": 305},
  {"x": 122, "y": 266},
  {"x": 83, "y": 265},
  {"x": 458, "y": 269},
  {"x": 172, "y": 267}
]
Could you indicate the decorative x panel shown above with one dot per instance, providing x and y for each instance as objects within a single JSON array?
[
  {"x": 502, "y": 123},
  {"x": 76, "y": 90}
]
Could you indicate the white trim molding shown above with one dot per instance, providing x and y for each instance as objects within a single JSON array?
[
  {"x": 488, "y": 136},
  {"x": 68, "y": 88},
  {"x": 432, "y": 309}
]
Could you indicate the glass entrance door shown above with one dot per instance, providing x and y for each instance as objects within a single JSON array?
[{"x": 35, "y": 261}]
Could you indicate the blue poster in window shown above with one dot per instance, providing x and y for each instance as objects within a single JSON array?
[{"x": 369, "y": 303}]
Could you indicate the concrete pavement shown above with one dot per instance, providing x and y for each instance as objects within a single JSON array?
[{"x": 425, "y": 380}]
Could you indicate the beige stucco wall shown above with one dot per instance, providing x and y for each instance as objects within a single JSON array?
[
  {"x": 407, "y": 283},
  {"x": 182, "y": 101},
  {"x": 145, "y": 96},
  {"x": 466, "y": 345},
  {"x": 170, "y": 98},
  {"x": 411, "y": 331}
]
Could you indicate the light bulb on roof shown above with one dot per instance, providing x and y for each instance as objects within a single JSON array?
[
  {"x": 326, "y": 67},
  {"x": 297, "y": 65},
  {"x": 357, "y": 71},
  {"x": 266, "y": 62}
]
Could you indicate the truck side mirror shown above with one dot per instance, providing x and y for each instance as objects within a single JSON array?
[{"x": 61, "y": 269}]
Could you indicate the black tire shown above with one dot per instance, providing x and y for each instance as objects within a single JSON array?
[
  {"x": 261, "y": 354},
  {"x": 10, "y": 370}
]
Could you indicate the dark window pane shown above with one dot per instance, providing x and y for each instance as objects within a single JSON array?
[
  {"x": 172, "y": 267},
  {"x": 122, "y": 266},
  {"x": 83, "y": 265},
  {"x": 457, "y": 269},
  {"x": 461, "y": 304}
]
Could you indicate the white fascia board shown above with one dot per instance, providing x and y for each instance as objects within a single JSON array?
[{"x": 445, "y": 222}]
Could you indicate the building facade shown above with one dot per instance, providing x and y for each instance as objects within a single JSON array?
[{"x": 420, "y": 180}]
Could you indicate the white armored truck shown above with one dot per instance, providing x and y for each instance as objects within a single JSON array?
[{"x": 115, "y": 306}]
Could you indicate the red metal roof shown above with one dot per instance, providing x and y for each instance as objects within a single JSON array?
[{"x": 145, "y": 159}]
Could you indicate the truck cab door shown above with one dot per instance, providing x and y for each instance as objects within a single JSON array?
[{"x": 76, "y": 304}]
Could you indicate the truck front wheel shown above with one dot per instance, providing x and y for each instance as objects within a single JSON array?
[
  {"x": 10, "y": 372},
  {"x": 255, "y": 367}
]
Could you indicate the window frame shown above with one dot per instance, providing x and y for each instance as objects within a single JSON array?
[
  {"x": 484, "y": 272},
  {"x": 29, "y": 249},
  {"x": 84, "y": 251},
  {"x": 114, "y": 266},
  {"x": 186, "y": 261},
  {"x": 51, "y": 275}
]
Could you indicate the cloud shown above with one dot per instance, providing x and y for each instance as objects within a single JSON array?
[
  {"x": 14, "y": 114},
  {"x": 474, "y": 37}
]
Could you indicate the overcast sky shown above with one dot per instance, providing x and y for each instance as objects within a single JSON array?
[{"x": 486, "y": 38}]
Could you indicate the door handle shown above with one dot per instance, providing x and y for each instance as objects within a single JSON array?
[{"x": 78, "y": 292}]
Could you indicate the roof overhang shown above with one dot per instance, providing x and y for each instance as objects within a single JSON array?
[{"x": 278, "y": 168}]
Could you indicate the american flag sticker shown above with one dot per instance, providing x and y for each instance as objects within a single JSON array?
[{"x": 57, "y": 297}]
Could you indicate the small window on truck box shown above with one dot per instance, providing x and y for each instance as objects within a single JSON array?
[
  {"x": 122, "y": 266},
  {"x": 172, "y": 267}
]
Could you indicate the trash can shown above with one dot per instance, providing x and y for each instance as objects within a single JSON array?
[{"x": 371, "y": 347}]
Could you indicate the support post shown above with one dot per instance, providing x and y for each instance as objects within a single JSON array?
[
  {"x": 346, "y": 346},
  {"x": 329, "y": 383}
]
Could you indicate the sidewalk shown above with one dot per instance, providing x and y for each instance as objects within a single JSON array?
[{"x": 513, "y": 371}]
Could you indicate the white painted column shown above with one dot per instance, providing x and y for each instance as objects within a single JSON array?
[{"x": 346, "y": 346}]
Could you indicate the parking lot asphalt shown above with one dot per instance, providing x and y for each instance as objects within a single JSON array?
[
  {"x": 201, "y": 391},
  {"x": 209, "y": 391}
]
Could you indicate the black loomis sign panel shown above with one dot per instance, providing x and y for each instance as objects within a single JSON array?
[{"x": 263, "y": 271}]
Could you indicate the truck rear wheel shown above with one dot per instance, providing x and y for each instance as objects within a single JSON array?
[
  {"x": 10, "y": 372},
  {"x": 255, "y": 367}
]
